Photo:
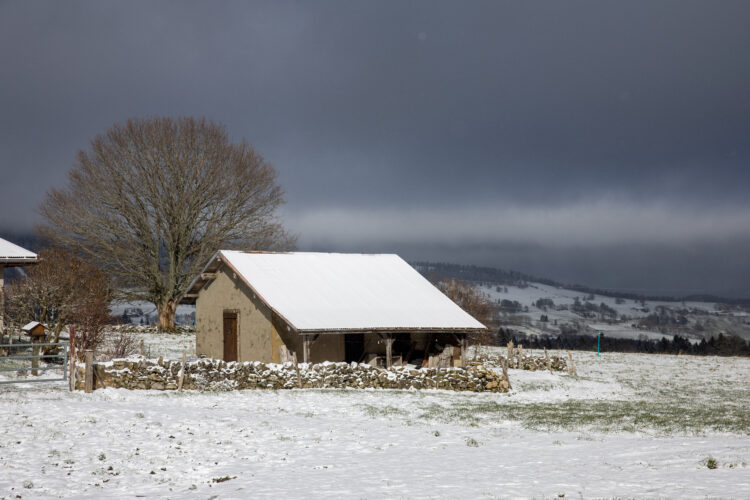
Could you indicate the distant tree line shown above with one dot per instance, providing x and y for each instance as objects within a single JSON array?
[
  {"x": 719, "y": 345},
  {"x": 442, "y": 271}
]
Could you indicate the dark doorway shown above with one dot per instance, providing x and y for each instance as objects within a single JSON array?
[
  {"x": 354, "y": 347},
  {"x": 230, "y": 336}
]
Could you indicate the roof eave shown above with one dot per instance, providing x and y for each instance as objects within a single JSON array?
[
  {"x": 18, "y": 261},
  {"x": 198, "y": 282},
  {"x": 319, "y": 331}
]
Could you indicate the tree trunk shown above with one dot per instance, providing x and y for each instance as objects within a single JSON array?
[{"x": 166, "y": 315}]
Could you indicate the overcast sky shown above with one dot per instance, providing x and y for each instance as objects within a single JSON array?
[{"x": 606, "y": 143}]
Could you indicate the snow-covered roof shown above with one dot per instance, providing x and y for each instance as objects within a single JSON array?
[
  {"x": 30, "y": 326},
  {"x": 332, "y": 291},
  {"x": 10, "y": 253}
]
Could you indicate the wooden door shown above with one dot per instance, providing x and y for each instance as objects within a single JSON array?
[{"x": 230, "y": 336}]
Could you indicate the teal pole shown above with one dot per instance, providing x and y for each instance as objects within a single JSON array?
[{"x": 598, "y": 342}]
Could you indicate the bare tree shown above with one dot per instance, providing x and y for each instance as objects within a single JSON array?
[
  {"x": 91, "y": 312},
  {"x": 62, "y": 290},
  {"x": 123, "y": 343},
  {"x": 152, "y": 200},
  {"x": 474, "y": 302}
]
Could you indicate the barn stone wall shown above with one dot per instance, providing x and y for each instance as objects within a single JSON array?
[{"x": 215, "y": 375}]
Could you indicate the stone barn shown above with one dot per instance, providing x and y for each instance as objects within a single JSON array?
[{"x": 314, "y": 307}]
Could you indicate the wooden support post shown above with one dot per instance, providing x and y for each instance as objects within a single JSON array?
[
  {"x": 546, "y": 356},
  {"x": 464, "y": 343},
  {"x": 388, "y": 350},
  {"x": 182, "y": 371},
  {"x": 572, "y": 367},
  {"x": 296, "y": 367},
  {"x": 89, "y": 378},
  {"x": 306, "y": 349}
]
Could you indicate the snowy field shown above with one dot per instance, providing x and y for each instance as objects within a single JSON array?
[
  {"x": 166, "y": 345},
  {"x": 632, "y": 425}
]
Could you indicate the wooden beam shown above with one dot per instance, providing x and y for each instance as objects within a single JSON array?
[{"x": 208, "y": 276}]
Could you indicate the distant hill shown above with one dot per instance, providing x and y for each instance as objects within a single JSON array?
[{"x": 480, "y": 274}]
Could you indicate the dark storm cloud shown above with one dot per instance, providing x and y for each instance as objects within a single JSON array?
[{"x": 408, "y": 126}]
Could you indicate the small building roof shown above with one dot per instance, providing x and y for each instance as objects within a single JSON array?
[
  {"x": 13, "y": 255},
  {"x": 330, "y": 292},
  {"x": 30, "y": 326}
]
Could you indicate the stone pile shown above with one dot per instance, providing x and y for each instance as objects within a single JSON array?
[
  {"x": 216, "y": 375},
  {"x": 531, "y": 363}
]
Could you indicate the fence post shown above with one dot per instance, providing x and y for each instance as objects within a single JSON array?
[
  {"x": 66, "y": 353},
  {"x": 572, "y": 368},
  {"x": 546, "y": 356},
  {"x": 510, "y": 351},
  {"x": 72, "y": 374},
  {"x": 89, "y": 380},
  {"x": 35, "y": 353},
  {"x": 505, "y": 372},
  {"x": 72, "y": 354},
  {"x": 519, "y": 361}
]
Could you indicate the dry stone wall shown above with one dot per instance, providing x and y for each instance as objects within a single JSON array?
[
  {"x": 216, "y": 375},
  {"x": 525, "y": 362}
]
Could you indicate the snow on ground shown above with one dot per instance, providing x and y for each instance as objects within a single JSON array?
[
  {"x": 166, "y": 345},
  {"x": 632, "y": 425}
]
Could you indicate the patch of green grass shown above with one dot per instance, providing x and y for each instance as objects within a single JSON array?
[
  {"x": 606, "y": 416},
  {"x": 472, "y": 443},
  {"x": 384, "y": 411}
]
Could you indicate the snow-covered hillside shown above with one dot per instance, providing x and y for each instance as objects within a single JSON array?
[{"x": 522, "y": 310}]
